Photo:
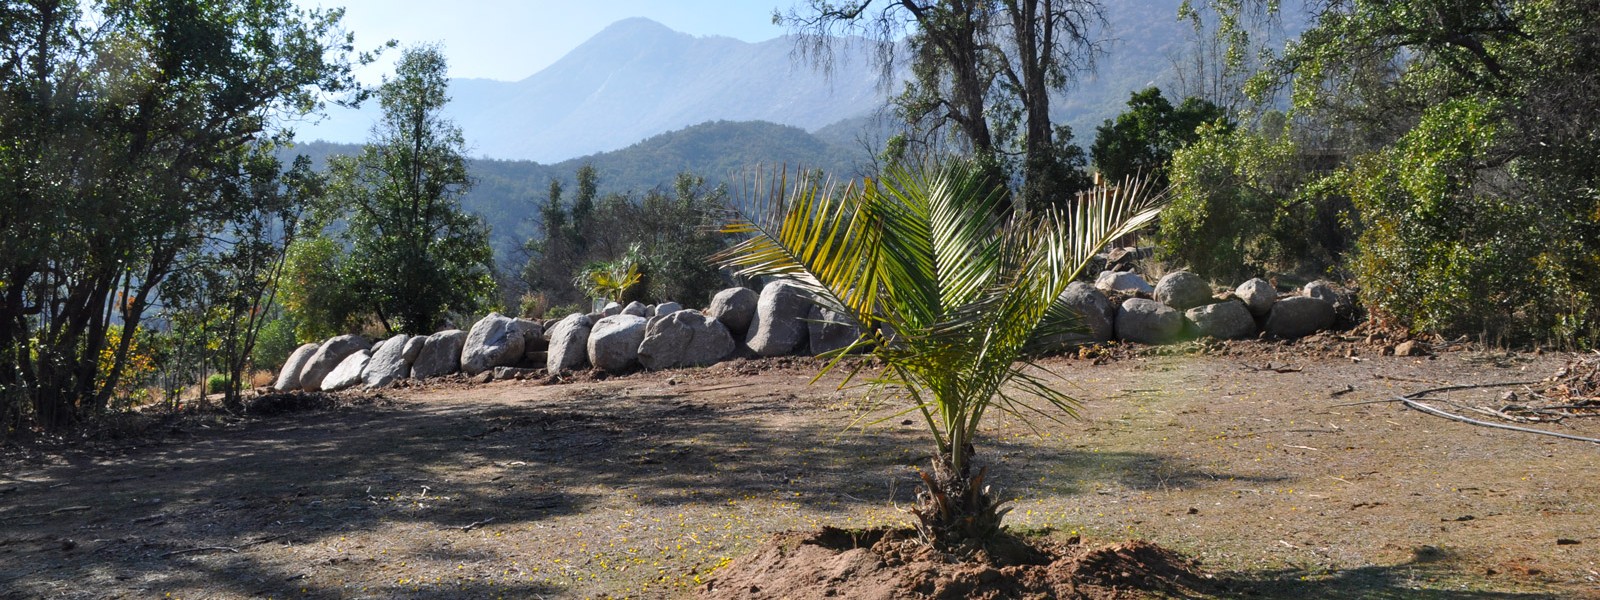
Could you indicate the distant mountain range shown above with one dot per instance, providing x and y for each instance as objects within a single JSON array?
[{"x": 638, "y": 78}]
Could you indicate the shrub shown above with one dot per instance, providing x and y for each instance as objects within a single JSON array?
[
  {"x": 273, "y": 344},
  {"x": 217, "y": 383}
]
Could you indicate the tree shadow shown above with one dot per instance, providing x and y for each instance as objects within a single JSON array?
[
  {"x": 308, "y": 477},
  {"x": 1414, "y": 580}
]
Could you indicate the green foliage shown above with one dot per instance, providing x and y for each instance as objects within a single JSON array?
[
  {"x": 1466, "y": 258},
  {"x": 1142, "y": 140},
  {"x": 664, "y": 237},
  {"x": 970, "y": 296},
  {"x": 1244, "y": 203},
  {"x": 131, "y": 136},
  {"x": 415, "y": 255},
  {"x": 320, "y": 302},
  {"x": 274, "y": 344},
  {"x": 218, "y": 383}
]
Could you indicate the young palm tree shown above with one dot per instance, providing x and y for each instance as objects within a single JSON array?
[{"x": 955, "y": 300}]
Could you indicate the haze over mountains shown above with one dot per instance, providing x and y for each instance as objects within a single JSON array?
[{"x": 638, "y": 78}]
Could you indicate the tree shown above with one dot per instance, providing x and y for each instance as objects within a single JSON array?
[
  {"x": 970, "y": 298},
  {"x": 986, "y": 66},
  {"x": 122, "y": 125},
  {"x": 414, "y": 254},
  {"x": 1472, "y": 164},
  {"x": 1142, "y": 139}
]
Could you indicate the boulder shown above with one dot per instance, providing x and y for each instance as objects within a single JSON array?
[
  {"x": 779, "y": 327},
  {"x": 1182, "y": 291},
  {"x": 1258, "y": 296},
  {"x": 494, "y": 341},
  {"x": 1122, "y": 281},
  {"x": 388, "y": 362},
  {"x": 1094, "y": 307},
  {"x": 289, "y": 376},
  {"x": 614, "y": 342},
  {"x": 1148, "y": 322},
  {"x": 1298, "y": 316},
  {"x": 413, "y": 348},
  {"x": 505, "y": 373},
  {"x": 569, "y": 344},
  {"x": 1229, "y": 320},
  {"x": 328, "y": 357},
  {"x": 440, "y": 355},
  {"x": 1326, "y": 291},
  {"x": 612, "y": 308},
  {"x": 348, "y": 373},
  {"x": 684, "y": 338},
  {"x": 734, "y": 307},
  {"x": 828, "y": 331},
  {"x": 666, "y": 308},
  {"x": 532, "y": 334},
  {"x": 635, "y": 308}
]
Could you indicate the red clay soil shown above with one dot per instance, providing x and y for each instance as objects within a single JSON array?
[{"x": 891, "y": 564}]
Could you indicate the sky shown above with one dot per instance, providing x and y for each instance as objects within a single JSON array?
[{"x": 509, "y": 40}]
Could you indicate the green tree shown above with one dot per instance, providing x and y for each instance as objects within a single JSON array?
[
  {"x": 414, "y": 254},
  {"x": 122, "y": 126},
  {"x": 970, "y": 296},
  {"x": 1142, "y": 139},
  {"x": 987, "y": 68},
  {"x": 1473, "y": 161}
]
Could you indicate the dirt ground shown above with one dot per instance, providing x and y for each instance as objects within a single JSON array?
[{"x": 1285, "y": 469}]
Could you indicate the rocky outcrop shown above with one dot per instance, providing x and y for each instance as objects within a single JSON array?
[
  {"x": 684, "y": 338},
  {"x": 289, "y": 375},
  {"x": 613, "y": 343}
]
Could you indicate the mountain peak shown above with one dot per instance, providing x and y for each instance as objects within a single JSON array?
[{"x": 634, "y": 26}]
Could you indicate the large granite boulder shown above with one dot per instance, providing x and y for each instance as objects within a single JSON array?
[
  {"x": 388, "y": 362},
  {"x": 684, "y": 338},
  {"x": 734, "y": 307},
  {"x": 828, "y": 331},
  {"x": 1096, "y": 310},
  {"x": 666, "y": 308},
  {"x": 348, "y": 373},
  {"x": 494, "y": 341},
  {"x": 569, "y": 344},
  {"x": 1228, "y": 320},
  {"x": 532, "y": 334},
  {"x": 327, "y": 358},
  {"x": 614, "y": 342},
  {"x": 779, "y": 327},
  {"x": 440, "y": 354},
  {"x": 1182, "y": 291},
  {"x": 1298, "y": 316},
  {"x": 1148, "y": 322},
  {"x": 1258, "y": 296},
  {"x": 635, "y": 308},
  {"x": 289, "y": 376},
  {"x": 1123, "y": 281}
]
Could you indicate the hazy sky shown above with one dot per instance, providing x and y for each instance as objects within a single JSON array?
[{"x": 512, "y": 39}]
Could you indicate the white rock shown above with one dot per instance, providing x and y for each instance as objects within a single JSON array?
[
  {"x": 684, "y": 338},
  {"x": 440, "y": 355},
  {"x": 494, "y": 341},
  {"x": 779, "y": 327},
  {"x": 1122, "y": 281},
  {"x": 388, "y": 362},
  {"x": 734, "y": 307},
  {"x": 348, "y": 373},
  {"x": 614, "y": 342},
  {"x": 569, "y": 344},
  {"x": 1148, "y": 322},
  {"x": 289, "y": 376},
  {"x": 328, "y": 356}
]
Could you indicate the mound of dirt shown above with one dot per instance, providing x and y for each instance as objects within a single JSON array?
[{"x": 891, "y": 564}]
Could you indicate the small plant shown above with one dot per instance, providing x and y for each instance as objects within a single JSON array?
[
  {"x": 217, "y": 383},
  {"x": 971, "y": 298}
]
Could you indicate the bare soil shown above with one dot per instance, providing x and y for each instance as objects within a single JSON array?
[{"x": 1273, "y": 470}]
